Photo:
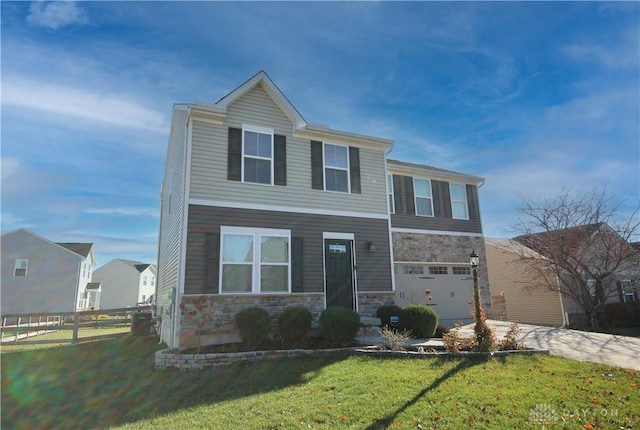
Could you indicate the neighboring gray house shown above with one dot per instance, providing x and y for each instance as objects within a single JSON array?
[
  {"x": 126, "y": 283},
  {"x": 42, "y": 276},
  {"x": 592, "y": 251},
  {"x": 261, "y": 207}
]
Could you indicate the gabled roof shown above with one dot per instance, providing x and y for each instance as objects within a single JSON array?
[
  {"x": 261, "y": 78},
  {"x": 83, "y": 249},
  {"x": 511, "y": 245},
  {"x": 78, "y": 249},
  {"x": 216, "y": 113},
  {"x": 433, "y": 172},
  {"x": 534, "y": 240},
  {"x": 137, "y": 265}
]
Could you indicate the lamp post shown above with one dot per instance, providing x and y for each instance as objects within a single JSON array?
[{"x": 474, "y": 261}]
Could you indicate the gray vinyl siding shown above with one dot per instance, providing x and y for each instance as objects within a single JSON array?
[
  {"x": 209, "y": 165},
  {"x": 442, "y": 219},
  {"x": 373, "y": 269},
  {"x": 172, "y": 213},
  {"x": 51, "y": 283}
]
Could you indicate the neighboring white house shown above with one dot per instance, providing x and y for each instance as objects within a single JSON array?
[
  {"x": 125, "y": 283},
  {"x": 42, "y": 276}
]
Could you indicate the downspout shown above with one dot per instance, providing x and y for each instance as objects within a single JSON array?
[
  {"x": 391, "y": 253},
  {"x": 565, "y": 316}
]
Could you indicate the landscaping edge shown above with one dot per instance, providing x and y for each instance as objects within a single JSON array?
[{"x": 175, "y": 358}]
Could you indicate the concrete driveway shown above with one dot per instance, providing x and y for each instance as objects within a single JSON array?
[{"x": 621, "y": 351}]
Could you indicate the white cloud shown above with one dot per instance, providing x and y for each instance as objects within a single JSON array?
[
  {"x": 624, "y": 54},
  {"x": 56, "y": 14},
  {"x": 125, "y": 211},
  {"x": 112, "y": 109}
]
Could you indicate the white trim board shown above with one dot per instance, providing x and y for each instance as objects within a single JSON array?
[
  {"x": 311, "y": 211},
  {"x": 435, "y": 232}
]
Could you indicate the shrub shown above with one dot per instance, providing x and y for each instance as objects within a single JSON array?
[
  {"x": 621, "y": 315},
  {"x": 385, "y": 312},
  {"x": 294, "y": 322},
  {"x": 339, "y": 325},
  {"x": 484, "y": 336},
  {"x": 441, "y": 330},
  {"x": 455, "y": 343},
  {"x": 395, "y": 339},
  {"x": 509, "y": 343},
  {"x": 420, "y": 320},
  {"x": 254, "y": 324}
]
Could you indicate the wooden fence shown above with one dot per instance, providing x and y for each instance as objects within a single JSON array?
[{"x": 18, "y": 327}]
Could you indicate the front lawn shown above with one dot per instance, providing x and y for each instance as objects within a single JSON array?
[{"x": 112, "y": 384}]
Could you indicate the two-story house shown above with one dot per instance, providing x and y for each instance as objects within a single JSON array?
[
  {"x": 42, "y": 276},
  {"x": 126, "y": 283},
  {"x": 262, "y": 208}
]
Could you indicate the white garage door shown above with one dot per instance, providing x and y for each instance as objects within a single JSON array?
[{"x": 448, "y": 289}]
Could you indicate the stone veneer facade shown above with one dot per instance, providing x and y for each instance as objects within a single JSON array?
[
  {"x": 221, "y": 328},
  {"x": 443, "y": 248}
]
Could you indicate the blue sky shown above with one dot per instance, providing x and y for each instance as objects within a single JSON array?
[{"x": 531, "y": 96}]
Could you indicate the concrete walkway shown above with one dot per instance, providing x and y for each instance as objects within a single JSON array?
[{"x": 621, "y": 351}]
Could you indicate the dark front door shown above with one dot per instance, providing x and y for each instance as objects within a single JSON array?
[{"x": 339, "y": 273}]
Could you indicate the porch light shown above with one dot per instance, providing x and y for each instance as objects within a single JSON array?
[{"x": 474, "y": 259}]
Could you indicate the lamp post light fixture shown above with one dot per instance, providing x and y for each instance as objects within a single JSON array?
[{"x": 474, "y": 261}]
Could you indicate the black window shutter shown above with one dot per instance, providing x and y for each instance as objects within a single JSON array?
[
  {"x": 620, "y": 292},
  {"x": 397, "y": 193},
  {"x": 211, "y": 262},
  {"x": 234, "y": 155},
  {"x": 411, "y": 204},
  {"x": 317, "y": 166},
  {"x": 297, "y": 264},
  {"x": 354, "y": 169},
  {"x": 280, "y": 159},
  {"x": 472, "y": 202},
  {"x": 441, "y": 199}
]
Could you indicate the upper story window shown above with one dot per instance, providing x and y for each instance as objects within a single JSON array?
[
  {"x": 423, "y": 196},
  {"x": 255, "y": 260},
  {"x": 336, "y": 168},
  {"x": 257, "y": 155},
  {"x": 20, "y": 268},
  {"x": 459, "y": 205},
  {"x": 392, "y": 208}
]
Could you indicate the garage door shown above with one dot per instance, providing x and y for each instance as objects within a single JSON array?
[{"x": 447, "y": 289}]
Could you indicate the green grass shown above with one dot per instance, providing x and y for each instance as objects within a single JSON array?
[{"x": 112, "y": 384}]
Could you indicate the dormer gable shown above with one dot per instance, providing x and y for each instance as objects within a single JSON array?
[{"x": 264, "y": 81}]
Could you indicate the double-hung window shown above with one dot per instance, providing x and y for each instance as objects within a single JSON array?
[
  {"x": 336, "y": 168},
  {"x": 255, "y": 260},
  {"x": 459, "y": 206},
  {"x": 257, "y": 154},
  {"x": 20, "y": 268},
  {"x": 423, "y": 196},
  {"x": 627, "y": 291}
]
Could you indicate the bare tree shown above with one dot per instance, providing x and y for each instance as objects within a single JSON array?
[{"x": 582, "y": 247}]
